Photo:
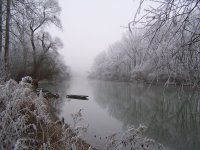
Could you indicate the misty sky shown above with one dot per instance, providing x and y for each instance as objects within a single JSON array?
[{"x": 90, "y": 26}]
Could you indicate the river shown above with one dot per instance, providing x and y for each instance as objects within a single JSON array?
[{"x": 171, "y": 114}]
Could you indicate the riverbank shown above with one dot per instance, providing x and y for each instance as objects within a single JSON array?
[
  {"x": 26, "y": 120},
  {"x": 156, "y": 81}
]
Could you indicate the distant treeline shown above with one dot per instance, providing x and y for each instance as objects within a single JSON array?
[
  {"x": 163, "y": 46},
  {"x": 26, "y": 47}
]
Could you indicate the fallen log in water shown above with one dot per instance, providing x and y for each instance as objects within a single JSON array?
[
  {"x": 47, "y": 94},
  {"x": 82, "y": 97}
]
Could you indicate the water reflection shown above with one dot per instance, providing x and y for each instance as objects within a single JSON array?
[{"x": 172, "y": 115}]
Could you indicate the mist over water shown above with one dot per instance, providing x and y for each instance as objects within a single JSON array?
[{"x": 89, "y": 27}]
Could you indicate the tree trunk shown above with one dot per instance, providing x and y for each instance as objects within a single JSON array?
[
  {"x": 24, "y": 51},
  {"x": 24, "y": 44},
  {"x": 24, "y": 58},
  {"x": 34, "y": 54},
  {"x": 7, "y": 38},
  {"x": 1, "y": 31},
  {"x": 21, "y": 30}
]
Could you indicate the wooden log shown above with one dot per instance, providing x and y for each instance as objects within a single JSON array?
[
  {"x": 35, "y": 84},
  {"x": 82, "y": 97},
  {"x": 46, "y": 93}
]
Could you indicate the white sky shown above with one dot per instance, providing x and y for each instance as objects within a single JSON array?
[{"x": 90, "y": 26}]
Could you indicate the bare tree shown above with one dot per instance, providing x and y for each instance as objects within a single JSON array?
[
  {"x": 45, "y": 13},
  {"x": 178, "y": 16},
  {"x": 47, "y": 44}
]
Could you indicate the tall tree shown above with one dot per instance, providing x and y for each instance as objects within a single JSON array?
[
  {"x": 44, "y": 13},
  {"x": 25, "y": 41},
  {"x": 1, "y": 23},
  {"x": 7, "y": 38},
  {"x": 173, "y": 27}
]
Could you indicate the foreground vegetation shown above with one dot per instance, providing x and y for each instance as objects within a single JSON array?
[
  {"x": 162, "y": 46},
  {"x": 26, "y": 121}
]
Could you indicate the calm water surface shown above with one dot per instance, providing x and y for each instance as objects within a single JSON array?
[{"x": 172, "y": 115}]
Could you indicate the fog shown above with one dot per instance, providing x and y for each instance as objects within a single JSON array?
[{"x": 89, "y": 27}]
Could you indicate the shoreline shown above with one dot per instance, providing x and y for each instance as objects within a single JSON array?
[
  {"x": 29, "y": 121},
  {"x": 152, "y": 83}
]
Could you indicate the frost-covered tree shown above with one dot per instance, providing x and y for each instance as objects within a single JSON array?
[
  {"x": 30, "y": 45},
  {"x": 166, "y": 49},
  {"x": 172, "y": 27},
  {"x": 41, "y": 13},
  {"x": 120, "y": 60}
]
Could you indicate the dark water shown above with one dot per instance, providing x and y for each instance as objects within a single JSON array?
[{"x": 172, "y": 115}]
